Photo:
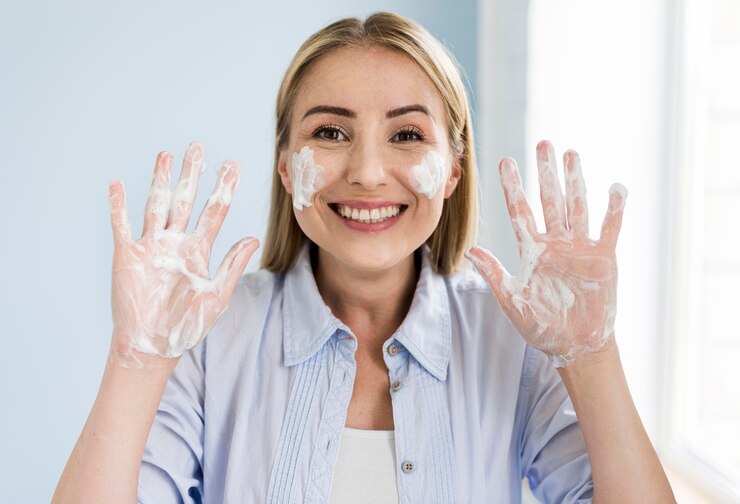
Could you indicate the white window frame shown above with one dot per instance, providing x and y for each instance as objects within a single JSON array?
[{"x": 690, "y": 39}]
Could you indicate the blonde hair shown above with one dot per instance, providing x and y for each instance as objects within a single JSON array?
[{"x": 458, "y": 225}]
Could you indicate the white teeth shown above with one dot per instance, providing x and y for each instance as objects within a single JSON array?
[{"x": 368, "y": 216}]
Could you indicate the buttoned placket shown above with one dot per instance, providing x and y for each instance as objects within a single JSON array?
[
  {"x": 397, "y": 361},
  {"x": 422, "y": 438}
]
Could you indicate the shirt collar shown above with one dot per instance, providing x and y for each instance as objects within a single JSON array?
[{"x": 308, "y": 323}]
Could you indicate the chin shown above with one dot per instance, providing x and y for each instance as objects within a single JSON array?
[{"x": 359, "y": 256}]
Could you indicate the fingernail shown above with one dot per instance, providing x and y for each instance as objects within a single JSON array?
[
  {"x": 622, "y": 191},
  {"x": 542, "y": 151},
  {"x": 477, "y": 266},
  {"x": 194, "y": 151},
  {"x": 229, "y": 166},
  {"x": 473, "y": 258}
]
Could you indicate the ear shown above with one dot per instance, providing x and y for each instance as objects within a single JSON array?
[
  {"x": 284, "y": 172},
  {"x": 454, "y": 178}
]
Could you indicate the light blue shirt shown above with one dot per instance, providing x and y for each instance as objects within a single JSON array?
[{"x": 256, "y": 412}]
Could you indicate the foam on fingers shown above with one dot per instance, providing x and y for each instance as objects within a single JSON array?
[
  {"x": 164, "y": 301},
  {"x": 119, "y": 216}
]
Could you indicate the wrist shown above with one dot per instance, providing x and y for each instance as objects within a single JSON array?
[
  {"x": 593, "y": 362},
  {"x": 122, "y": 355},
  {"x": 585, "y": 354}
]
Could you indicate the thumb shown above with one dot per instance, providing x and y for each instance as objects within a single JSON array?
[
  {"x": 232, "y": 267},
  {"x": 492, "y": 270}
]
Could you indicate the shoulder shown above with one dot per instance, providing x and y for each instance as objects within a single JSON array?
[
  {"x": 467, "y": 280},
  {"x": 249, "y": 311},
  {"x": 255, "y": 291},
  {"x": 472, "y": 300},
  {"x": 257, "y": 283},
  {"x": 478, "y": 321}
]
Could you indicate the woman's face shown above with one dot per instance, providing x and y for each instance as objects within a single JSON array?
[{"x": 368, "y": 162}]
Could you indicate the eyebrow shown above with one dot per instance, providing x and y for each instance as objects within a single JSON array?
[
  {"x": 329, "y": 109},
  {"x": 406, "y": 110},
  {"x": 344, "y": 112}
]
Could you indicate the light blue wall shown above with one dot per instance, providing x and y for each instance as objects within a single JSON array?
[{"x": 91, "y": 91}]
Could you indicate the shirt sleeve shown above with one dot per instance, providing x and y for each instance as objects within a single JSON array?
[
  {"x": 553, "y": 451},
  {"x": 171, "y": 468}
]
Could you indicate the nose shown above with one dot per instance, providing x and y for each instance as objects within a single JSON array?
[{"x": 365, "y": 166}]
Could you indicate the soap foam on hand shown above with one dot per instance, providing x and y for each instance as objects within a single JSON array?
[
  {"x": 563, "y": 299},
  {"x": 163, "y": 300}
]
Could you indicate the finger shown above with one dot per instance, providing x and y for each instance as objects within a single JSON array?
[
  {"x": 118, "y": 215},
  {"x": 183, "y": 197},
  {"x": 488, "y": 266},
  {"x": 496, "y": 276},
  {"x": 213, "y": 214},
  {"x": 613, "y": 220},
  {"x": 158, "y": 202},
  {"x": 551, "y": 194},
  {"x": 575, "y": 193},
  {"x": 232, "y": 267},
  {"x": 522, "y": 219}
]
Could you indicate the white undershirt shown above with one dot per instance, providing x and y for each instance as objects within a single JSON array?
[{"x": 365, "y": 472}]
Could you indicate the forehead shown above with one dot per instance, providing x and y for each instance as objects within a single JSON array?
[{"x": 367, "y": 79}]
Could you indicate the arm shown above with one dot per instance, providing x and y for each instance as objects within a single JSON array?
[
  {"x": 563, "y": 302},
  {"x": 624, "y": 464},
  {"x": 104, "y": 464},
  {"x": 163, "y": 304}
]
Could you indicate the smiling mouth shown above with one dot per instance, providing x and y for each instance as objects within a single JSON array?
[{"x": 365, "y": 215}]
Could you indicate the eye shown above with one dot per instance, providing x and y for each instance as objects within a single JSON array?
[
  {"x": 329, "y": 132},
  {"x": 408, "y": 134}
]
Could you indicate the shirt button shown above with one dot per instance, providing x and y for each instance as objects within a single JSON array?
[
  {"x": 392, "y": 350},
  {"x": 396, "y": 386},
  {"x": 408, "y": 467}
]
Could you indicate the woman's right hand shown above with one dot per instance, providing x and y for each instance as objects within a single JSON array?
[{"x": 163, "y": 300}]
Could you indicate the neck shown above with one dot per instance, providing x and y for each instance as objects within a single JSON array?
[{"x": 373, "y": 304}]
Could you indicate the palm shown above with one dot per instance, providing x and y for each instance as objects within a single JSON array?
[
  {"x": 563, "y": 299},
  {"x": 182, "y": 291}
]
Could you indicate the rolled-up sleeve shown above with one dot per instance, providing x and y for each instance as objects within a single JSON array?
[
  {"x": 553, "y": 451},
  {"x": 171, "y": 469}
]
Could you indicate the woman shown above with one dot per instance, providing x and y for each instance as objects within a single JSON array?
[{"x": 361, "y": 364}]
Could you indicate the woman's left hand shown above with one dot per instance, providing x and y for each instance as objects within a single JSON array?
[{"x": 564, "y": 298}]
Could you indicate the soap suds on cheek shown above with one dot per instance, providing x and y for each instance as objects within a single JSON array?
[
  {"x": 306, "y": 178},
  {"x": 429, "y": 174}
]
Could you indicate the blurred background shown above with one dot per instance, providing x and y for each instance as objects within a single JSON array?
[{"x": 645, "y": 91}]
